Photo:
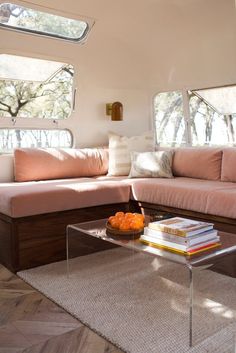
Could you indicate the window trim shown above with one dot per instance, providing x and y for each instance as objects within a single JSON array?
[
  {"x": 89, "y": 22},
  {"x": 38, "y": 123},
  {"x": 38, "y": 128},
  {"x": 73, "y": 94},
  {"x": 185, "y": 92}
]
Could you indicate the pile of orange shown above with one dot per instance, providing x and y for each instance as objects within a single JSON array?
[{"x": 127, "y": 221}]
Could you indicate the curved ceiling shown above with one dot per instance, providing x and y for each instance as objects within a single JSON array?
[{"x": 155, "y": 43}]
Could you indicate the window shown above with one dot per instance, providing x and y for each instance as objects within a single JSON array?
[
  {"x": 169, "y": 118},
  {"x": 13, "y": 138},
  {"x": 13, "y": 16},
  {"x": 213, "y": 119},
  {"x": 33, "y": 88},
  {"x": 210, "y": 114}
]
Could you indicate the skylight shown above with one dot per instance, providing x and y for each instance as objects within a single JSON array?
[{"x": 20, "y": 18}]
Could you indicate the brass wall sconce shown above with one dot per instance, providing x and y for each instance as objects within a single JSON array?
[{"x": 115, "y": 110}]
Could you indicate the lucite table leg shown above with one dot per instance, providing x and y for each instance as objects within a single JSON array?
[
  {"x": 67, "y": 251},
  {"x": 190, "y": 306}
]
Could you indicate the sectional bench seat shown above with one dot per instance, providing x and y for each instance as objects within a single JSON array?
[
  {"x": 34, "y": 214},
  {"x": 205, "y": 196},
  {"x": 26, "y": 199}
]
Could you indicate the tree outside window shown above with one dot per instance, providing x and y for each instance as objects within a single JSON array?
[{"x": 212, "y": 117}]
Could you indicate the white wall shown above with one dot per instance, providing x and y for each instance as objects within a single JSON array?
[{"x": 137, "y": 48}]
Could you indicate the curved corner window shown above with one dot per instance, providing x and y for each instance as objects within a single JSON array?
[
  {"x": 13, "y": 16},
  {"x": 213, "y": 116},
  {"x": 14, "y": 138},
  {"x": 35, "y": 88},
  {"x": 199, "y": 117},
  {"x": 169, "y": 119}
]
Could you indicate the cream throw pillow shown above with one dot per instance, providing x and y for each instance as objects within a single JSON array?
[
  {"x": 151, "y": 164},
  {"x": 120, "y": 148}
]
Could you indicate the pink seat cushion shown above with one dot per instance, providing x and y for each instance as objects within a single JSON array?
[
  {"x": 202, "y": 163},
  {"x": 184, "y": 193},
  {"x": 43, "y": 164},
  {"x": 228, "y": 171},
  {"x": 33, "y": 198},
  {"x": 222, "y": 202}
]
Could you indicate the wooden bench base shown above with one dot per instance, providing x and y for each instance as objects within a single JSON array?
[{"x": 37, "y": 240}]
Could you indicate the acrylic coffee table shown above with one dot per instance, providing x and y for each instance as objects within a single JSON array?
[{"x": 89, "y": 235}]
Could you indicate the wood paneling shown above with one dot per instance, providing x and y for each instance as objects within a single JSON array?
[{"x": 37, "y": 240}]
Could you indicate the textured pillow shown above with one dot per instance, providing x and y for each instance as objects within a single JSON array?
[
  {"x": 52, "y": 163},
  {"x": 120, "y": 148},
  {"x": 151, "y": 164},
  {"x": 201, "y": 163},
  {"x": 228, "y": 170}
]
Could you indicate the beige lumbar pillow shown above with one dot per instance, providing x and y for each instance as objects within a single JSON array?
[
  {"x": 151, "y": 164},
  {"x": 120, "y": 148}
]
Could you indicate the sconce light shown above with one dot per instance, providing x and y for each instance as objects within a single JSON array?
[{"x": 115, "y": 110}]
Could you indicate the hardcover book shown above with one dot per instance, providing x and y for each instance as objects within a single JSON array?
[
  {"x": 181, "y": 247},
  {"x": 181, "y": 226},
  {"x": 182, "y": 252},
  {"x": 191, "y": 240}
]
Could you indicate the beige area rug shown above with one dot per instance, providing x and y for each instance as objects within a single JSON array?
[{"x": 140, "y": 303}]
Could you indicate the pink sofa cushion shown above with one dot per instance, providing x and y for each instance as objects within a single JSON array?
[
  {"x": 43, "y": 164},
  {"x": 33, "y": 198},
  {"x": 186, "y": 193},
  {"x": 201, "y": 163},
  {"x": 222, "y": 202},
  {"x": 228, "y": 170}
]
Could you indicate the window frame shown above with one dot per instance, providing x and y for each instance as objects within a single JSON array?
[
  {"x": 39, "y": 123},
  {"x": 36, "y": 128},
  {"x": 53, "y": 119},
  {"x": 186, "y": 112},
  {"x": 89, "y": 22}
]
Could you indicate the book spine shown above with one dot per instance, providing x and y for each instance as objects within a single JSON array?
[
  {"x": 159, "y": 246},
  {"x": 187, "y": 241},
  {"x": 171, "y": 244},
  {"x": 158, "y": 234},
  {"x": 181, "y": 252}
]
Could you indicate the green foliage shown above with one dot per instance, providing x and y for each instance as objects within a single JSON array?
[{"x": 47, "y": 100}]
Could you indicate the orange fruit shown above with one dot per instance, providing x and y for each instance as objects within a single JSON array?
[
  {"x": 128, "y": 215},
  {"x": 119, "y": 214},
  {"x": 136, "y": 224},
  {"x": 125, "y": 225},
  {"x": 110, "y": 219},
  {"x": 139, "y": 216},
  {"x": 127, "y": 221},
  {"x": 115, "y": 223}
]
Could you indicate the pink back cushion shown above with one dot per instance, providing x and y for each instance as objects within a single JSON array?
[
  {"x": 51, "y": 163},
  {"x": 201, "y": 163},
  {"x": 228, "y": 171}
]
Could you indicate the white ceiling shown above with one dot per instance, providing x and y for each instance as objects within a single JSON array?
[{"x": 154, "y": 43}]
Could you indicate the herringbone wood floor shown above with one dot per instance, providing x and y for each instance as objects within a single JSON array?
[{"x": 31, "y": 323}]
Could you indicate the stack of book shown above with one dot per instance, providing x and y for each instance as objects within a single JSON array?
[{"x": 181, "y": 235}]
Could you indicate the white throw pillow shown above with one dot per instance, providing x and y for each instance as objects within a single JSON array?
[
  {"x": 6, "y": 168},
  {"x": 151, "y": 164},
  {"x": 120, "y": 148}
]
